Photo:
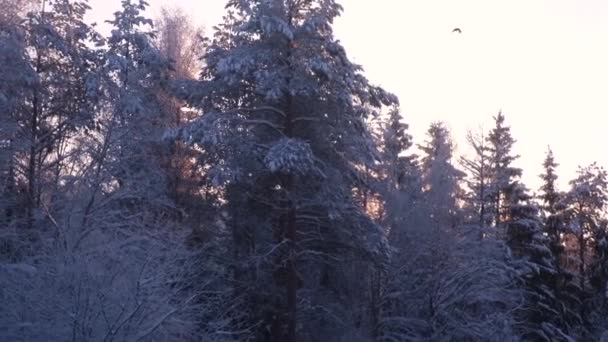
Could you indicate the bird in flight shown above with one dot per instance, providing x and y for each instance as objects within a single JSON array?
[{"x": 457, "y": 30}]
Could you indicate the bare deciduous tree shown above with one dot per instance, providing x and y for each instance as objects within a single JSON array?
[{"x": 180, "y": 40}]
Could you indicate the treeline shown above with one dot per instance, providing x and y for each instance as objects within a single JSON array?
[{"x": 255, "y": 186}]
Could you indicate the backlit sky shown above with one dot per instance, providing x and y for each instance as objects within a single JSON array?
[{"x": 543, "y": 62}]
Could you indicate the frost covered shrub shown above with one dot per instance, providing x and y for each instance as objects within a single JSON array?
[{"x": 118, "y": 287}]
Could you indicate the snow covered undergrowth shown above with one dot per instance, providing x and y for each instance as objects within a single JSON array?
[{"x": 117, "y": 287}]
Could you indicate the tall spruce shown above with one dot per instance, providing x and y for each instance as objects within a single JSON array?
[
  {"x": 441, "y": 179},
  {"x": 503, "y": 174},
  {"x": 551, "y": 198},
  {"x": 541, "y": 315},
  {"x": 401, "y": 173},
  {"x": 401, "y": 166},
  {"x": 555, "y": 228}
]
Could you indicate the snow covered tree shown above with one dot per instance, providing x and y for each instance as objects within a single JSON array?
[
  {"x": 180, "y": 40},
  {"x": 479, "y": 181},
  {"x": 551, "y": 198},
  {"x": 541, "y": 314},
  {"x": 599, "y": 266},
  {"x": 115, "y": 285},
  {"x": 158, "y": 185},
  {"x": 555, "y": 227},
  {"x": 283, "y": 130},
  {"x": 435, "y": 259},
  {"x": 585, "y": 203},
  {"x": 117, "y": 165},
  {"x": 136, "y": 73},
  {"x": 401, "y": 169},
  {"x": 16, "y": 78},
  {"x": 446, "y": 284},
  {"x": 14, "y": 10},
  {"x": 56, "y": 54},
  {"x": 94, "y": 272},
  {"x": 441, "y": 179},
  {"x": 597, "y": 304},
  {"x": 501, "y": 200},
  {"x": 403, "y": 179},
  {"x": 504, "y": 175}
]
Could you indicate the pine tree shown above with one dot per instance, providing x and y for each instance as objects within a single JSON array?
[
  {"x": 284, "y": 113},
  {"x": 441, "y": 179},
  {"x": 584, "y": 206}
]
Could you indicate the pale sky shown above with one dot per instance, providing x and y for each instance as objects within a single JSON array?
[{"x": 543, "y": 62}]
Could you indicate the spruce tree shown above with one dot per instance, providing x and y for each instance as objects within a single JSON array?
[
  {"x": 541, "y": 315},
  {"x": 551, "y": 199},
  {"x": 401, "y": 168},
  {"x": 555, "y": 228},
  {"x": 441, "y": 179},
  {"x": 503, "y": 174},
  {"x": 401, "y": 172}
]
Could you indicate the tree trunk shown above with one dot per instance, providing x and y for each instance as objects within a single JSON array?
[
  {"x": 290, "y": 234},
  {"x": 581, "y": 255},
  {"x": 291, "y": 224},
  {"x": 292, "y": 277},
  {"x": 32, "y": 163}
]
